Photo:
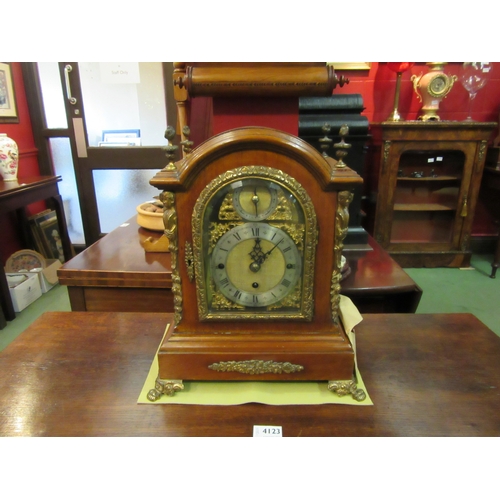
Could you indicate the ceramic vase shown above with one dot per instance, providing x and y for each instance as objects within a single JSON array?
[{"x": 9, "y": 158}]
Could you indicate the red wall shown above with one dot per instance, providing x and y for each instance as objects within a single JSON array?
[
  {"x": 28, "y": 162},
  {"x": 377, "y": 86}
]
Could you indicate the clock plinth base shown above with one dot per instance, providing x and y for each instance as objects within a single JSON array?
[{"x": 292, "y": 356}]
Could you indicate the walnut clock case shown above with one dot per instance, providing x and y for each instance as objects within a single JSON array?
[{"x": 256, "y": 219}]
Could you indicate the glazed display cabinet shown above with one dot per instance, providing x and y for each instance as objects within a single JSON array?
[{"x": 428, "y": 184}]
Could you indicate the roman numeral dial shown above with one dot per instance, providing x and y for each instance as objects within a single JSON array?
[{"x": 256, "y": 264}]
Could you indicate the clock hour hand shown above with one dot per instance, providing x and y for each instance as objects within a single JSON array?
[{"x": 257, "y": 256}]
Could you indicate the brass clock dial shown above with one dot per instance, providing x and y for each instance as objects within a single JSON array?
[
  {"x": 438, "y": 85},
  {"x": 255, "y": 201},
  {"x": 256, "y": 264},
  {"x": 256, "y": 237}
]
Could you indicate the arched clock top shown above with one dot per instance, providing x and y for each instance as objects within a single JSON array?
[{"x": 257, "y": 139}]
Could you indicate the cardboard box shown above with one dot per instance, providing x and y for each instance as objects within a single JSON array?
[
  {"x": 26, "y": 292},
  {"x": 48, "y": 275}
]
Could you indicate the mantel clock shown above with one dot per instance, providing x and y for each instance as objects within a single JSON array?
[{"x": 255, "y": 219}]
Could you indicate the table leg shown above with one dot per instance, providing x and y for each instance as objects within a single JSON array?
[
  {"x": 496, "y": 259},
  {"x": 5, "y": 299}
]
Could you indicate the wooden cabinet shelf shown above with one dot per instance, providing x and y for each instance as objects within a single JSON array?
[
  {"x": 428, "y": 183},
  {"x": 438, "y": 178},
  {"x": 422, "y": 207}
]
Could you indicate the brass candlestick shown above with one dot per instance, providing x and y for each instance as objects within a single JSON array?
[{"x": 395, "y": 116}]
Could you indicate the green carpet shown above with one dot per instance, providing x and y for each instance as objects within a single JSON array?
[{"x": 461, "y": 290}]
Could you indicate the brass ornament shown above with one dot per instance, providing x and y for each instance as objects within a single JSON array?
[
  {"x": 167, "y": 387},
  {"x": 170, "y": 222},
  {"x": 387, "y": 148},
  {"x": 342, "y": 147},
  {"x": 189, "y": 260},
  {"x": 346, "y": 387},
  {"x": 187, "y": 145},
  {"x": 341, "y": 227},
  {"x": 170, "y": 149},
  {"x": 256, "y": 367},
  {"x": 482, "y": 150}
]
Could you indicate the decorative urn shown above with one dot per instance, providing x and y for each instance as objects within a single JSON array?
[{"x": 9, "y": 158}]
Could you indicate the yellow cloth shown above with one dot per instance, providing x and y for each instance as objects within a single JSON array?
[{"x": 270, "y": 393}]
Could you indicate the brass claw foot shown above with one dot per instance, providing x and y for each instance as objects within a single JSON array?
[
  {"x": 344, "y": 387},
  {"x": 167, "y": 387}
]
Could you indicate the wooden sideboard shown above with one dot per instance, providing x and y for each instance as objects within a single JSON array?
[
  {"x": 428, "y": 185},
  {"x": 15, "y": 196},
  {"x": 81, "y": 373},
  {"x": 116, "y": 274}
]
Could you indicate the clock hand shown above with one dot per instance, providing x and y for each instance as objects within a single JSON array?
[
  {"x": 255, "y": 200},
  {"x": 266, "y": 255},
  {"x": 257, "y": 256}
]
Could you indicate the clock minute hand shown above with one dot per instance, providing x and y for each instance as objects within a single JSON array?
[{"x": 266, "y": 255}]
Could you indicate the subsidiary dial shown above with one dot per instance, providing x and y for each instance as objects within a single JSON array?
[{"x": 255, "y": 201}]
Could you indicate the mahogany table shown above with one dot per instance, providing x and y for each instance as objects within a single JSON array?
[
  {"x": 15, "y": 196},
  {"x": 80, "y": 374},
  {"x": 116, "y": 274}
]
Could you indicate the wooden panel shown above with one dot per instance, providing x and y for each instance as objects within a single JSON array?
[{"x": 128, "y": 299}]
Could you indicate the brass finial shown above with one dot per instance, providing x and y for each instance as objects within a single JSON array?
[
  {"x": 325, "y": 142},
  {"x": 171, "y": 148},
  {"x": 342, "y": 147},
  {"x": 187, "y": 145}
]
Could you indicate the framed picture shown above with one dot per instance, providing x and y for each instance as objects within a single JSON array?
[
  {"x": 8, "y": 108},
  {"x": 121, "y": 138},
  {"x": 51, "y": 239}
]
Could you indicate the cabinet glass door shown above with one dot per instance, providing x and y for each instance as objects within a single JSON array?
[{"x": 427, "y": 197}]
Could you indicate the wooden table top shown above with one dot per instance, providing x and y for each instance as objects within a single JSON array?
[
  {"x": 119, "y": 260},
  {"x": 80, "y": 374}
]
